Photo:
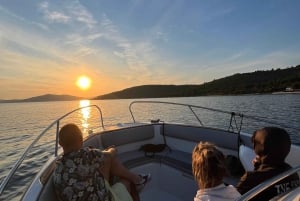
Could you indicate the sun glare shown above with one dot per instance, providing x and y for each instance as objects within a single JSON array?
[{"x": 83, "y": 82}]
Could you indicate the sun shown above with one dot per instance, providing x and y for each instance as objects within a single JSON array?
[{"x": 83, "y": 82}]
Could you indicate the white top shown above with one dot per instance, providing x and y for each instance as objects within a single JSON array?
[{"x": 218, "y": 193}]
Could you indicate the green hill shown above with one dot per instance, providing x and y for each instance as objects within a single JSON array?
[
  {"x": 152, "y": 91},
  {"x": 44, "y": 98},
  {"x": 51, "y": 97},
  {"x": 247, "y": 83}
]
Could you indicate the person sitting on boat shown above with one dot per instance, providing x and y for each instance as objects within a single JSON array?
[
  {"x": 271, "y": 146},
  {"x": 209, "y": 169},
  {"x": 84, "y": 173}
]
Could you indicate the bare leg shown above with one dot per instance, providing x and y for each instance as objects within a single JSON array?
[
  {"x": 119, "y": 170},
  {"x": 113, "y": 167}
]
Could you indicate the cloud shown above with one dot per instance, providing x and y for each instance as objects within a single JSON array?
[
  {"x": 67, "y": 13},
  {"x": 77, "y": 38},
  {"x": 53, "y": 16},
  {"x": 80, "y": 39},
  {"x": 57, "y": 17},
  {"x": 6, "y": 13},
  {"x": 161, "y": 36},
  {"x": 119, "y": 54},
  {"x": 126, "y": 47},
  {"x": 81, "y": 14},
  {"x": 84, "y": 51},
  {"x": 138, "y": 55}
]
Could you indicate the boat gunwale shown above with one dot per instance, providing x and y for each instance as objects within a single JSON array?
[{"x": 266, "y": 184}]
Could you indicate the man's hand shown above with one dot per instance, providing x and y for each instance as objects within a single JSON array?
[{"x": 112, "y": 150}]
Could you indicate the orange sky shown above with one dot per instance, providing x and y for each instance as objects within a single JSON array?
[{"x": 46, "y": 45}]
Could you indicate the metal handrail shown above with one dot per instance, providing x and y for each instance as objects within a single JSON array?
[
  {"x": 182, "y": 104},
  {"x": 257, "y": 118},
  {"x": 233, "y": 114},
  {"x": 19, "y": 162},
  {"x": 263, "y": 186}
]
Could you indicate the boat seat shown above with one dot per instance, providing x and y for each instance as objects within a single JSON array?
[
  {"x": 293, "y": 157},
  {"x": 127, "y": 135},
  {"x": 246, "y": 155},
  {"x": 197, "y": 134}
]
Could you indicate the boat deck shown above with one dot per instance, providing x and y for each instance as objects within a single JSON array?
[
  {"x": 171, "y": 176},
  {"x": 166, "y": 183}
]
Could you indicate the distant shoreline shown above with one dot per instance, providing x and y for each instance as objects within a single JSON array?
[
  {"x": 252, "y": 94},
  {"x": 279, "y": 81},
  {"x": 286, "y": 92}
]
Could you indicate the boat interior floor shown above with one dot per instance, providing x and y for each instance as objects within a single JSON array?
[{"x": 171, "y": 176}]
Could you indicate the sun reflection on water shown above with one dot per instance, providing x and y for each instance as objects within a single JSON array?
[{"x": 86, "y": 113}]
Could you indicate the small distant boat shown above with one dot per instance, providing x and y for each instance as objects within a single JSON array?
[{"x": 169, "y": 160}]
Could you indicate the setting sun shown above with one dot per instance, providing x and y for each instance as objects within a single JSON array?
[{"x": 83, "y": 82}]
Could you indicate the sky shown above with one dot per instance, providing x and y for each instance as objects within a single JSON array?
[{"x": 46, "y": 45}]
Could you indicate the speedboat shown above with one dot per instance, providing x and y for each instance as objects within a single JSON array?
[{"x": 151, "y": 145}]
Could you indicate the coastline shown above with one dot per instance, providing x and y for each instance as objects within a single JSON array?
[{"x": 286, "y": 92}]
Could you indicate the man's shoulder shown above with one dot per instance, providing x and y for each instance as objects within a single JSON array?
[
  {"x": 91, "y": 150},
  {"x": 85, "y": 151},
  {"x": 254, "y": 177},
  {"x": 273, "y": 170}
]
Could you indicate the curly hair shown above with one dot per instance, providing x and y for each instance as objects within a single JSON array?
[{"x": 208, "y": 165}]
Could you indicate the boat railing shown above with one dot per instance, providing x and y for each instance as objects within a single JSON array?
[
  {"x": 27, "y": 150},
  {"x": 234, "y": 125},
  {"x": 263, "y": 186},
  {"x": 192, "y": 109}
]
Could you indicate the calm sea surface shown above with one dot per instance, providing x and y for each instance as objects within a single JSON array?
[{"x": 20, "y": 123}]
